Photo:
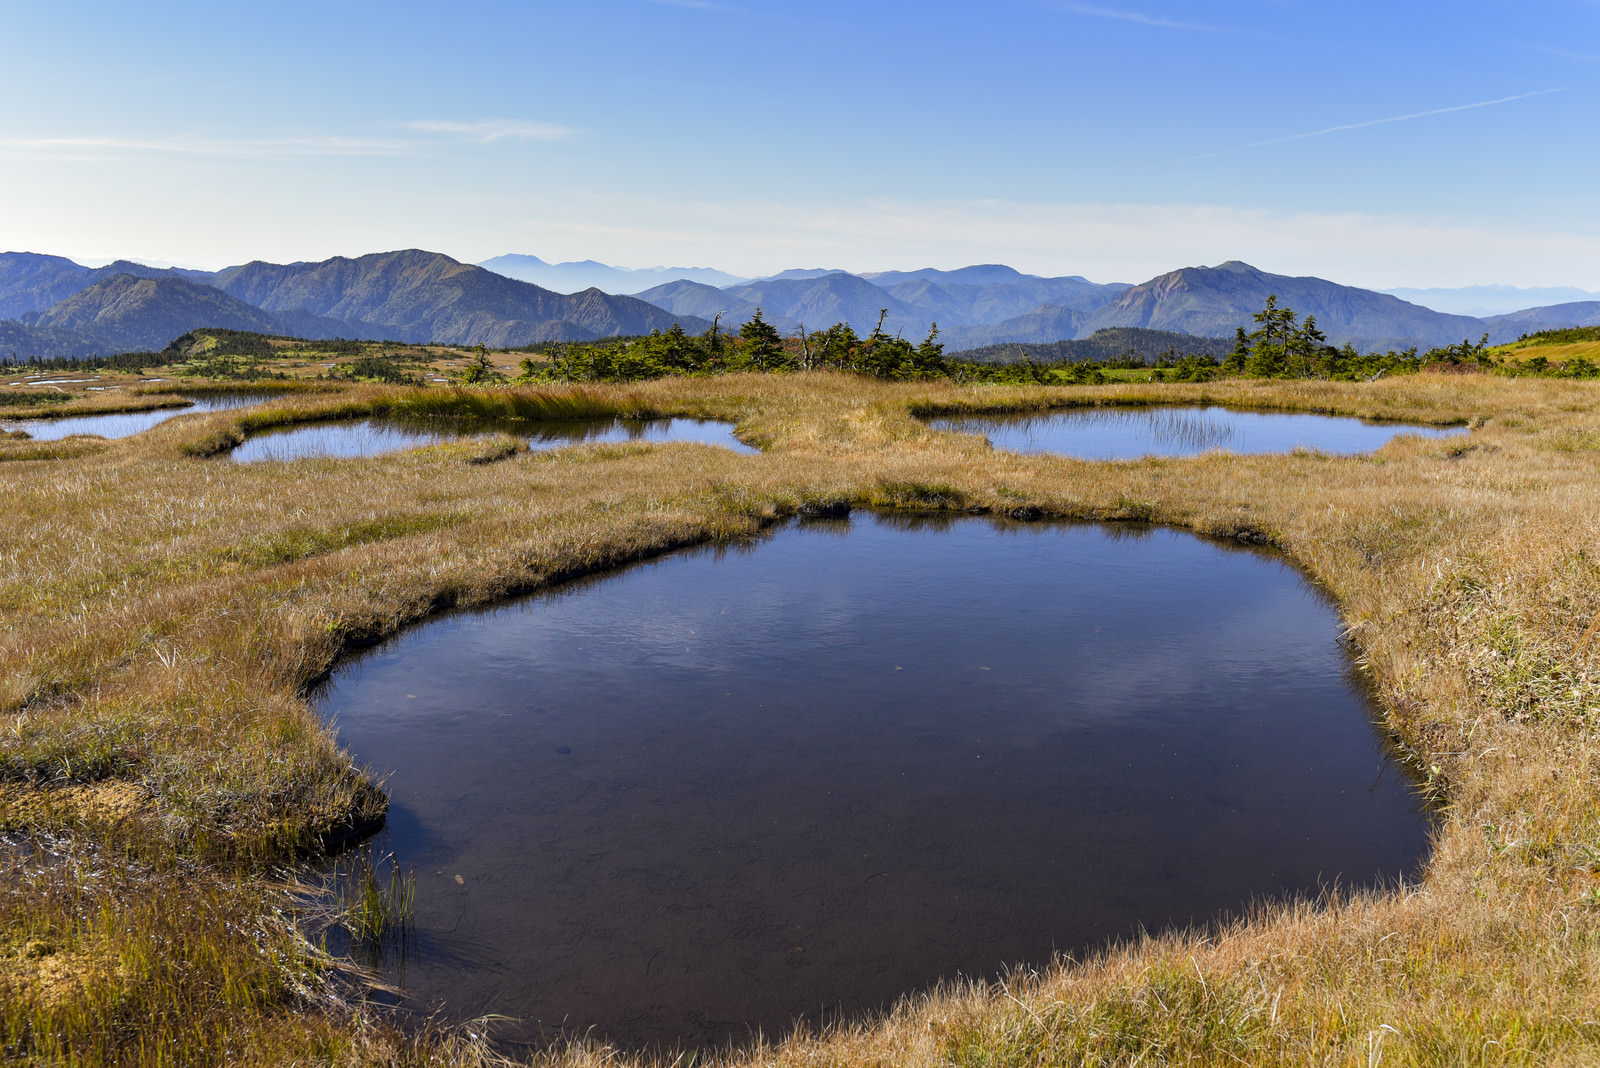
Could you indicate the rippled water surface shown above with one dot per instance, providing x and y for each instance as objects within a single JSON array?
[
  {"x": 374, "y": 437},
  {"x": 126, "y": 424},
  {"x": 732, "y": 788},
  {"x": 1129, "y": 433}
]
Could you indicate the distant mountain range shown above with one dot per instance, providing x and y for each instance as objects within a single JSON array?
[
  {"x": 131, "y": 313},
  {"x": 51, "y": 306},
  {"x": 1483, "y": 301},
  {"x": 1213, "y": 301},
  {"x": 58, "y": 307},
  {"x": 978, "y": 307},
  {"x": 973, "y": 306},
  {"x": 1104, "y": 346},
  {"x": 578, "y": 275}
]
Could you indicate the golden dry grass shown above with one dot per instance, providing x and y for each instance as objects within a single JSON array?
[
  {"x": 161, "y": 615},
  {"x": 1556, "y": 354}
]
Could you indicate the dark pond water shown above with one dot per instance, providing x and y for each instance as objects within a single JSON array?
[
  {"x": 1129, "y": 433},
  {"x": 374, "y": 437},
  {"x": 732, "y": 788},
  {"x": 126, "y": 424}
]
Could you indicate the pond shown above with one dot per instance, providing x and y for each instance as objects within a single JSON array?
[
  {"x": 732, "y": 788},
  {"x": 1130, "y": 433},
  {"x": 126, "y": 424},
  {"x": 374, "y": 437}
]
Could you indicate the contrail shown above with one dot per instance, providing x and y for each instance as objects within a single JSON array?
[
  {"x": 1371, "y": 122},
  {"x": 1402, "y": 118},
  {"x": 1074, "y": 8}
]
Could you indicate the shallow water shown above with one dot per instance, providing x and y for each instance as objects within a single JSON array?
[
  {"x": 374, "y": 437},
  {"x": 1129, "y": 433},
  {"x": 126, "y": 424},
  {"x": 732, "y": 788}
]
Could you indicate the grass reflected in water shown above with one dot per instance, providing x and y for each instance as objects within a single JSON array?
[
  {"x": 376, "y": 437},
  {"x": 1129, "y": 433}
]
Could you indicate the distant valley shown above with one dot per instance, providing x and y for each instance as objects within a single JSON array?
[{"x": 51, "y": 306}]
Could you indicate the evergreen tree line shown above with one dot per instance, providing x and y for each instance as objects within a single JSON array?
[
  {"x": 1280, "y": 346},
  {"x": 758, "y": 346}
]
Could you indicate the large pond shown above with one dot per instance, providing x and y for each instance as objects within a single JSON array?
[
  {"x": 1129, "y": 433},
  {"x": 733, "y": 788},
  {"x": 374, "y": 437},
  {"x": 126, "y": 424}
]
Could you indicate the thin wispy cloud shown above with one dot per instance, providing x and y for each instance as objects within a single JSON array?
[
  {"x": 194, "y": 146},
  {"x": 488, "y": 131},
  {"x": 1134, "y": 16},
  {"x": 1343, "y": 127},
  {"x": 483, "y": 132}
]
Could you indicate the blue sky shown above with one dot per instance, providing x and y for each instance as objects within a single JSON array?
[{"x": 1392, "y": 144}]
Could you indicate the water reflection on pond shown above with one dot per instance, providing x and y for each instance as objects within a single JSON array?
[
  {"x": 374, "y": 437},
  {"x": 1129, "y": 433},
  {"x": 126, "y": 424},
  {"x": 730, "y": 788}
]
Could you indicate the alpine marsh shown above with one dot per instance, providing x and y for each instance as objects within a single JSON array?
[{"x": 163, "y": 614}]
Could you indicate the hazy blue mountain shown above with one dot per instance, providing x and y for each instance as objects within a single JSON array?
[
  {"x": 1048, "y": 323},
  {"x": 578, "y": 275},
  {"x": 705, "y": 302},
  {"x": 1486, "y": 302},
  {"x": 126, "y": 313},
  {"x": 957, "y": 303},
  {"x": 1112, "y": 343},
  {"x": 979, "y": 274},
  {"x": 427, "y": 296},
  {"x": 144, "y": 270},
  {"x": 30, "y": 282},
  {"x": 1212, "y": 301},
  {"x": 816, "y": 301},
  {"x": 996, "y": 292},
  {"x": 960, "y": 301},
  {"x": 18, "y": 342},
  {"x": 800, "y": 273},
  {"x": 1504, "y": 328},
  {"x": 832, "y": 298}
]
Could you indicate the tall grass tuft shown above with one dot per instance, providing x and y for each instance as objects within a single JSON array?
[{"x": 376, "y": 900}]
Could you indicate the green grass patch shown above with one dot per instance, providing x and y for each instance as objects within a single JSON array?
[
  {"x": 917, "y": 494},
  {"x": 282, "y": 547},
  {"x": 24, "y": 398}
]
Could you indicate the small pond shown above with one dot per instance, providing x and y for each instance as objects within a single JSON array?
[
  {"x": 1129, "y": 433},
  {"x": 796, "y": 778},
  {"x": 126, "y": 424},
  {"x": 374, "y": 437}
]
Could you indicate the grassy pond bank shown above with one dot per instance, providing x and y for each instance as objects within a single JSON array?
[
  {"x": 725, "y": 789},
  {"x": 166, "y": 616}
]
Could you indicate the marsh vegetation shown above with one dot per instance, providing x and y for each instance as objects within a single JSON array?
[{"x": 164, "y": 619}]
